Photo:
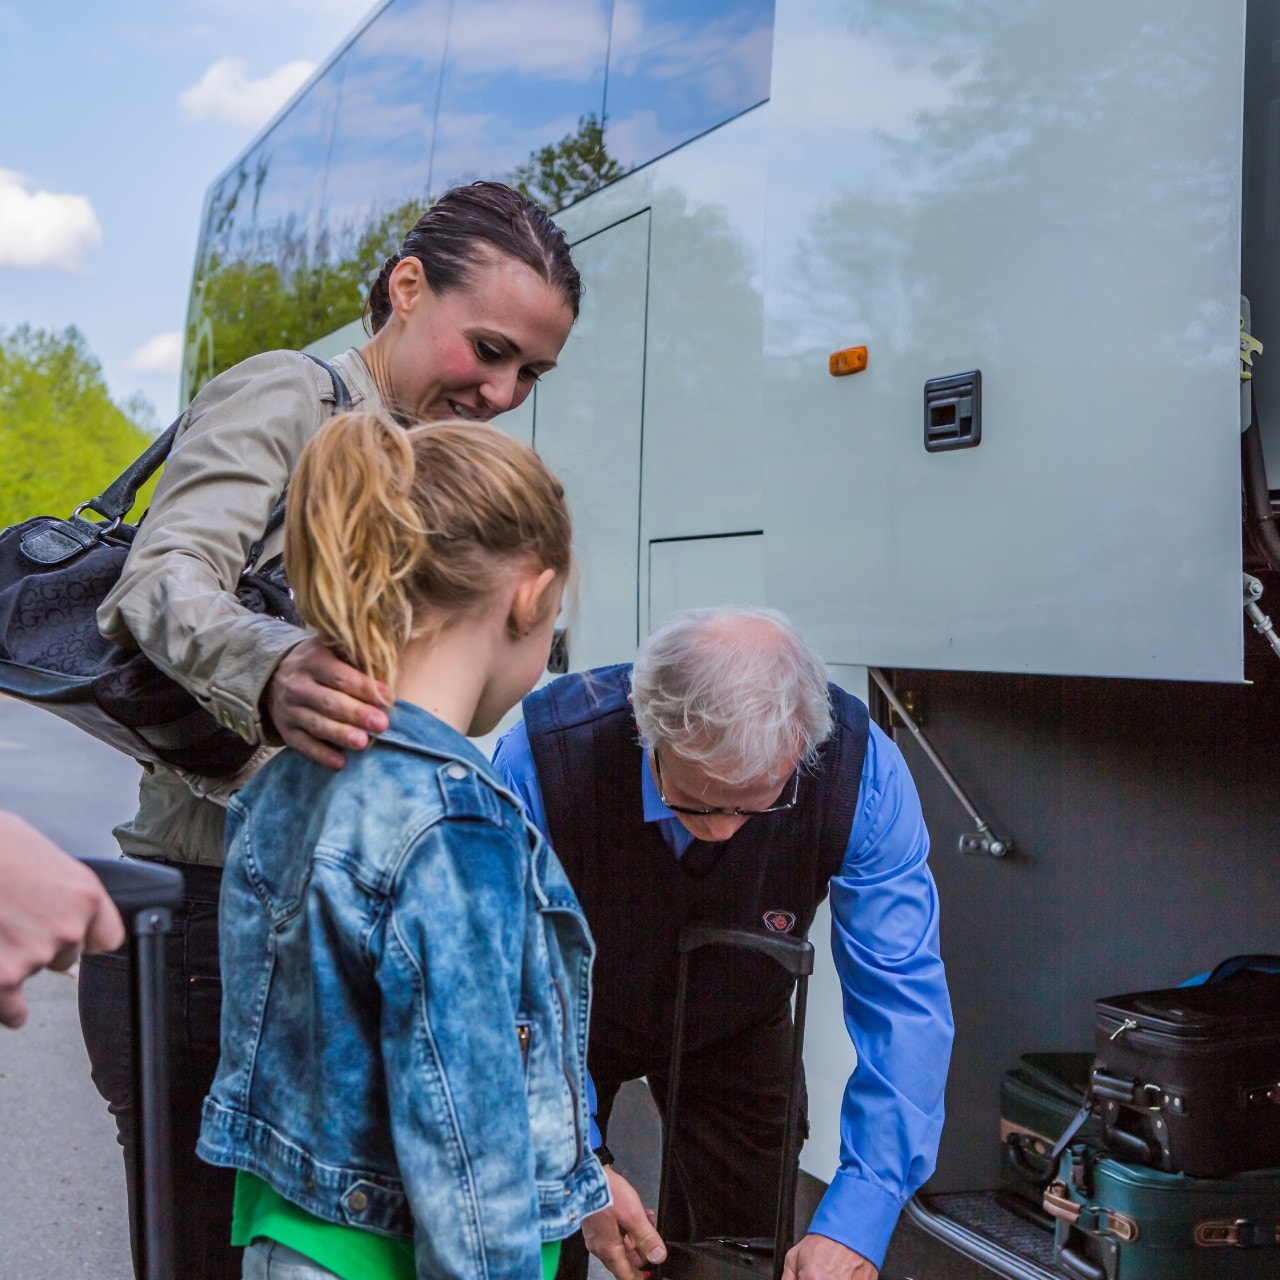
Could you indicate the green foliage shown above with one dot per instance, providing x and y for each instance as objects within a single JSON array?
[
  {"x": 62, "y": 438},
  {"x": 560, "y": 173}
]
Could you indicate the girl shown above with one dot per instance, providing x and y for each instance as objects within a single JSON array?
[
  {"x": 405, "y": 967},
  {"x": 466, "y": 317}
]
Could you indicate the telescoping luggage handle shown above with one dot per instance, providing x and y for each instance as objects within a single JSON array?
[
  {"x": 795, "y": 955},
  {"x": 145, "y": 893}
]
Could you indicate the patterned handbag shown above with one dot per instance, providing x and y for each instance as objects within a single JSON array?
[{"x": 54, "y": 573}]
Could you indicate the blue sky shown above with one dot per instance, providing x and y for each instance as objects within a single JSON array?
[{"x": 116, "y": 118}]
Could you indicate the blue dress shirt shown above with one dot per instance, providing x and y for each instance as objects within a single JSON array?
[{"x": 884, "y": 940}]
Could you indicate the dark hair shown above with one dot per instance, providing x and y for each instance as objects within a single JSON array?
[{"x": 444, "y": 241}]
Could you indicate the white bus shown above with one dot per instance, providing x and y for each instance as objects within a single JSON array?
[{"x": 1024, "y": 514}]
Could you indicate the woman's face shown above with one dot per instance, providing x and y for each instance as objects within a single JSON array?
[{"x": 477, "y": 350}]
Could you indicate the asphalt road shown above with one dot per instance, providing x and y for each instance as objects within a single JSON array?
[{"x": 61, "y": 1177}]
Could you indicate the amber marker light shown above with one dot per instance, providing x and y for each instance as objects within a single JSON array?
[{"x": 850, "y": 360}]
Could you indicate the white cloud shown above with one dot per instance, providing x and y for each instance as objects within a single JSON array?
[
  {"x": 44, "y": 229},
  {"x": 225, "y": 92},
  {"x": 161, "y": 354}
]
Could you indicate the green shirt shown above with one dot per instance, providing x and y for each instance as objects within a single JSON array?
[{"x": 349, "y": 1252}]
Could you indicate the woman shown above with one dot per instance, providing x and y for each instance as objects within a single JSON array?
[{"x": 472, "y": 310}]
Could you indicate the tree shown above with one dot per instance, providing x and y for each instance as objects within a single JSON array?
[
  {"x": 560, "y": 173},
  {"x": 62, "y": 438}
]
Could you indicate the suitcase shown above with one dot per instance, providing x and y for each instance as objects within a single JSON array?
[
  {"x": 1187, "y": 1080},
  {"x": 145, "y": 894},
  {"x": 1038, "y": 1099},
  {"x": 1121, "y": 1221},
  {"x": 725, "y": 1258}
]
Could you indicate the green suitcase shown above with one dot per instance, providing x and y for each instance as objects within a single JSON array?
[
  {"x": 1038, "y": 1099},
  {"x": 1118, "y": 1221}
]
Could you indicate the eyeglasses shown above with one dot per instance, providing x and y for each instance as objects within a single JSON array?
[{"x": 778, "y": 807}]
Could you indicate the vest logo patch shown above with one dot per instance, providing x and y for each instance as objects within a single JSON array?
[{"x": 779, "y": 921}]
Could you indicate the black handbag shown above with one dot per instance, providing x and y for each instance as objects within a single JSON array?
[{"x": 54, "y": 574}]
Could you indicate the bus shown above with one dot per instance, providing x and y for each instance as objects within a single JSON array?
[{"x": 1047, "y": 231}]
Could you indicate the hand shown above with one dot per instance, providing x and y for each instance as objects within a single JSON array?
[
  {"x": 318, "y": 702},
  {"x": 624, "y": 1236},
  {"x": 821, "y": 1258},
  {"x": 51, "y": 909}
]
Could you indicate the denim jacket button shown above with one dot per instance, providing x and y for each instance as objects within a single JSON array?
[
  {"x": 457, "y": 772},
  {"x": 358, "y": 1201}
]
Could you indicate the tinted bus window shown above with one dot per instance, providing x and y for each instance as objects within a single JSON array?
[
  {"x": 380, "y": 161},
  {"x": 260, "y": 274},
  {"x": 677, "y": 70},
  {"x": 519, "y": 79}
]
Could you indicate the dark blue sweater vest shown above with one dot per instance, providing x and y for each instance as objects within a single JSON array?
[{"x": 637, "y": 896}]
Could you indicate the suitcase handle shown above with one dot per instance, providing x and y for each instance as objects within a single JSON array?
[
  {"x": 136, "y": 885},
  {"x": 1081, "y": 1266},
  {"x": 795, "y": 955},
  {"x": 145, "y": 894}
]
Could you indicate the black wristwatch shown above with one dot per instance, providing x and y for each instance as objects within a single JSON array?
[{"x": 603, "y": 1154}]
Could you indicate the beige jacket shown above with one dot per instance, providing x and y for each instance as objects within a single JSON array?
[{"x": 238, "y": 444}]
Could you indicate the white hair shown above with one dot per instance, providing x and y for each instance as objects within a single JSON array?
[{"x": 735, "y": 690}]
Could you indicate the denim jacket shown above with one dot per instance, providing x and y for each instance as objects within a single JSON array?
[{"x": 406, "y": 979}]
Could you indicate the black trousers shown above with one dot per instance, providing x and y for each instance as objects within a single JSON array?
[
  {"x": 728, "y": 1144},
  {"x": 202, "y": 1194}
]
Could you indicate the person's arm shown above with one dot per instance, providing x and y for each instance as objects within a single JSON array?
[
  {"x": 450, "y": 978},
  {"x": 623, "y": 1236},
  {"x": 176, "y": 596},
  {"x": 884, "y": 913},
  {"x": 51, "y": 909}
]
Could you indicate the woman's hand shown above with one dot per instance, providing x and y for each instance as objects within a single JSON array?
[{"x": 318, "y": 703}]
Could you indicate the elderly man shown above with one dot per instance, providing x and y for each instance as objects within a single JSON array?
[{"x": 722, "y": 779}]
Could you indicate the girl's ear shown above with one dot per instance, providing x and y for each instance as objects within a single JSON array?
[{"x": 530, "y": 599}]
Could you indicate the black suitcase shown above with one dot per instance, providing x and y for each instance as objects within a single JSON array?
[
  {"x": 724, "y": 1257},
  {"x": 1187, "y": 1080},
  {"x": 1038, "y": 1100},
  {"x": 145, "y": 894}
]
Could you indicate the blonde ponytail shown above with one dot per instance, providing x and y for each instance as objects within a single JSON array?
[{"x": 391, "y": 532}]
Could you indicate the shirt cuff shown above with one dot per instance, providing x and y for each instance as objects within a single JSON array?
[
  {"x": 241, "y": 708},
  {"x": 859, "y": 1215}
]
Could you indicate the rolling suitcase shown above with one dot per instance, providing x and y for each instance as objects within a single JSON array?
[
  {"x": 1187, "y": 1079},
  {"x": 1038, "y": 1099},
  {"x": 145, "y": 895},
  {"x": 1121, "y": 1221},
  {"x": 724, "y": 1258}
]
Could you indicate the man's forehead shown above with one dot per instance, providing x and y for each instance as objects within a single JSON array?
[{"x": 702, "y": 778}]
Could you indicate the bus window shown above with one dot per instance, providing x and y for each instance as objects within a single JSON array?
[
  {"x": 519, "y": 78},
  {"x": 674, "y": 75},
  {"x": 380, "y": 160},
  {"x": 259, "y": 279}
]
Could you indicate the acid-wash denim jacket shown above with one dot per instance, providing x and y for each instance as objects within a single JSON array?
[{"x": 406, "y": 987}]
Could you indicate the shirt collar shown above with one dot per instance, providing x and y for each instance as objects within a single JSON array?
[{"x": 654, "y": 809}]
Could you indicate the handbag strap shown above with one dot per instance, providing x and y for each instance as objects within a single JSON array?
[
  {"x": 341, "y": 404},
  {"x": 120, "y": 495}
]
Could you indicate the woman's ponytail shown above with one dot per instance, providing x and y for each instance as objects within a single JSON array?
[{"x": 393, "y": 532}]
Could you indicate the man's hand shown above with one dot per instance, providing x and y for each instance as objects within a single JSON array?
[
  {"x": 51, "y": 909},
  {"x": 318, "y": 702},
  {"x": 821, "y": 1258},
  {"x": 624, "y": 1236}
]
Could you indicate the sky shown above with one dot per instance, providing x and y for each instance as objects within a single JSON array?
[{"x": 115, "y": 118}]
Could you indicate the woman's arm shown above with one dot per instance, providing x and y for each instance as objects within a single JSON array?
[{"x": 241, "y": 439}]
